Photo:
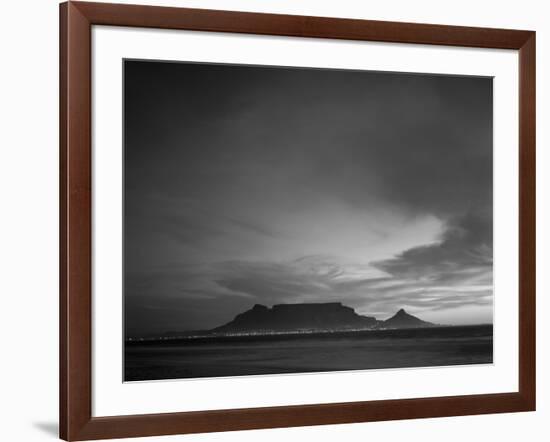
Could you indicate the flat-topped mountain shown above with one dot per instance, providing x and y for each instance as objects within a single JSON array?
[
  {"x": 288, "y": 317},
  {"x": 333, "y": 316}
]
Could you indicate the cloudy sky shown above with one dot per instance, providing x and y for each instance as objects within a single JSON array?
[{"x": 268, "y": 185}]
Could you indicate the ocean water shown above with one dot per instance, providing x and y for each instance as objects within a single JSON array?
[{"x": 257, "y": 355}]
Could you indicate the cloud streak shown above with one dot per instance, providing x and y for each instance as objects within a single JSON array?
[{"x": 262, "y": 184}]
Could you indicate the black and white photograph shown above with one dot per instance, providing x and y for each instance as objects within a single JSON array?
[
  {"x": 284, "y": 220},
  {"x": 243, "y": 221}
]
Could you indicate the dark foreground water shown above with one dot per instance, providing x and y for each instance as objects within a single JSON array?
[{"x": 253, "y": 355}]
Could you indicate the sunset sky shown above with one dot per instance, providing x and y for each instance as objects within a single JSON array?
[{"x": 248, "y": 185}]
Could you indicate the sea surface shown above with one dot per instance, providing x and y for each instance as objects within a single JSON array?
[{"x": 302, "y": 353}]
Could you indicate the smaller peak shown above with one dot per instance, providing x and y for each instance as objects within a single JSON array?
[{"x": 259, "y": 307}]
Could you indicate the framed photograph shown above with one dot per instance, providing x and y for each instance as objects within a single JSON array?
[{"x": 274, "y": 220}]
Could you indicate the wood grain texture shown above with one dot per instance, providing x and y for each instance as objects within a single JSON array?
[
  {"x": 294, "y": 416},
  {"x": 299, "y": 26},
  {"x": 527, "y": 220},
  {"x": 63, "y": 225},
  {"x": 75, "y": 265},
  {"x": 76, "y": 421}
]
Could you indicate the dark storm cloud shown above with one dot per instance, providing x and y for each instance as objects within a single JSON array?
[
  {"x": 466, "y": 244},
  {"x": 255, "y": 184},
  {"x": 250, "y": 130}
]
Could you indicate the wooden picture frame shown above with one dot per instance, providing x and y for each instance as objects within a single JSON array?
[{"x": 76, "y": 21}]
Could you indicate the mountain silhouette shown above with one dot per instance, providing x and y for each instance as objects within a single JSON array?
[
  {"x": 331, "y": 316},
  {"x": 297, "y": 317},
  {"x": 404, "y": 320}
]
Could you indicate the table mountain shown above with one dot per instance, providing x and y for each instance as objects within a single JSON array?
[
  {"x": 330, "y": 316},
  {"x": 297, "y": 317}
]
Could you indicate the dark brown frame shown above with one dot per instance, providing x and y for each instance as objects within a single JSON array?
[{"x": 76, "y": 421}]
